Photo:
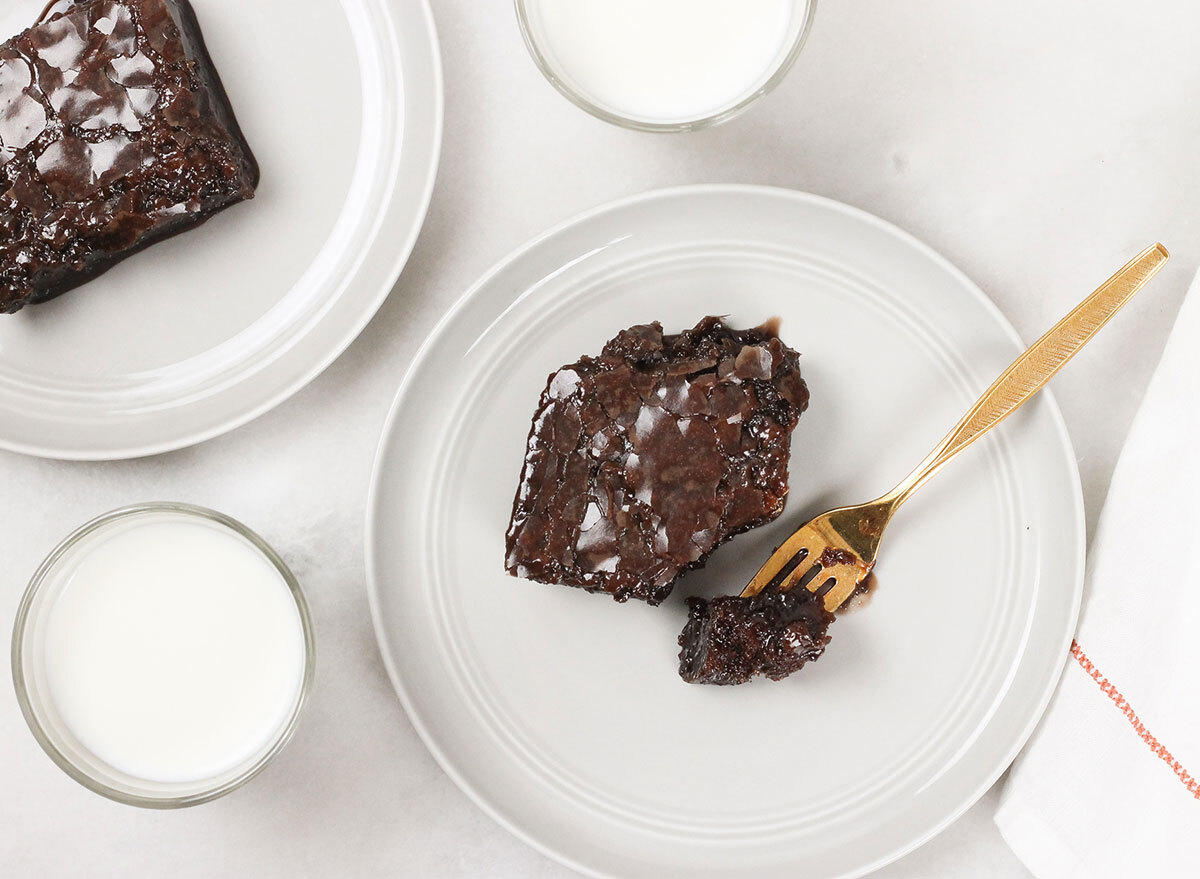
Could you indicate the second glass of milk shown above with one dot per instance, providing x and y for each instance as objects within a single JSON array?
[
  {"x": 665, "y": 65},
  {"x": 162, "y": 655}
]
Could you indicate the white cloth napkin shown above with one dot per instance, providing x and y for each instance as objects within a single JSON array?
[{"x": 1109, "y": 785}]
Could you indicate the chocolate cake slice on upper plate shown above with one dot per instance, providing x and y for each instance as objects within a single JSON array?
[
  {"x": 115, "y": 132},
  {"x": 642, "y": 460}
]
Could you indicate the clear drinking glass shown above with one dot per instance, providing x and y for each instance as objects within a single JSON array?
[
  {"x": 57, "y": 739},
  {"x": 801, "y": 24}
]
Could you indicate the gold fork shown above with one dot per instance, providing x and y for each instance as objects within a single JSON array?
[{"x": 834, "y": 552}]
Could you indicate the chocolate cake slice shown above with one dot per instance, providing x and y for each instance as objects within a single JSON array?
[
  {"x": 115, "y": 132},
  {"x": 731, "y": 639},
  {"x": 642, "y": 460}
]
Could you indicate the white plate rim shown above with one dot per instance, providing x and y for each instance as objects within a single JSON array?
[
  {"x": 370, "y": 306},
  {"x": 390, "y": 424}
]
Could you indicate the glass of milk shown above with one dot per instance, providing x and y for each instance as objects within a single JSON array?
[
  {"x": 162, "y": 655},
  {"x": 665, "y": 65}
]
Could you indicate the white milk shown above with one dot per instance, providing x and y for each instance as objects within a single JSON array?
[
  {"x": 175, "y": 650},
  {"x": 665, "y": 61}
]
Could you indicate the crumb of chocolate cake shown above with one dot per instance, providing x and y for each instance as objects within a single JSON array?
[{"x": 731, "y": 639}]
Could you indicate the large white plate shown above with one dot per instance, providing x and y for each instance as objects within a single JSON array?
[
  {"x": 560, "y": 712},
  {"x": 342, "y": 105}
]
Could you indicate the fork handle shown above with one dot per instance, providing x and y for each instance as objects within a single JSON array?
[{"x": 1030, "y": 372}]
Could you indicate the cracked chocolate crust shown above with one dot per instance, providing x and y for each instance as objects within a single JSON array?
[
  {"x": 115, "y": 133},
  {"x": 644, "y": 459}
]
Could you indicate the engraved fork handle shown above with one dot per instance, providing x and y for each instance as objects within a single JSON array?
[{"x": 1036, "y": 366}]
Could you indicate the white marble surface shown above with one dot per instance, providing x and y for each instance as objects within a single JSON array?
[{"x": 1036, "y": 145}]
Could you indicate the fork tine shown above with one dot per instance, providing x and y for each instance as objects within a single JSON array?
[
  {"x": 802, "y": 541},
  {"x": 814, "y": 583},
  {"x": 842, "y": 590}
]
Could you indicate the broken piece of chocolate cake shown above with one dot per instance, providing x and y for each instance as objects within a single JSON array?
[
  {"x": 115, "y": 132},
  {"x": 643, "y": 459},
  {"x": 731, "y": 639}
]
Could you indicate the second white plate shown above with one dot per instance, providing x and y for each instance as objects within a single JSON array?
[
  {"x": 561, "y": 713},
  {"x": 342, "y": 106}
]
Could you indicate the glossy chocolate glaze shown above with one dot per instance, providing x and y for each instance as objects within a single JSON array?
[
  {"x": 115, "y": 132},
  {"x": 642, "y": 460},
  {"x": 731, "y": 639}
]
